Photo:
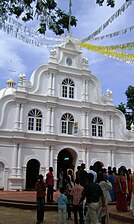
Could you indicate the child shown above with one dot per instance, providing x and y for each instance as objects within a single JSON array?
[{"x": 62, "y": 207}]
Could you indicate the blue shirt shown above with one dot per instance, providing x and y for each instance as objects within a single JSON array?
[{"x": 62, "y": 201}]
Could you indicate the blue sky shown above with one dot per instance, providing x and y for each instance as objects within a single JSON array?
[{"x": 113, "y": 74}]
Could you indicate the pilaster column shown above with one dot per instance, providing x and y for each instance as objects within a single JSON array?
[
  {"x": 50, "y": 85},
  {"x": 19, "y": 174},
  {"x": 24, "y": 176},
  {"x": 6, "y": 174},
  {"x": 14, "y": 161},
  {"x": 52, "y": 121},
  {"x": 47, "y": 158},
  {"x": 111, "y": 127},
  {"x": 53, "y": 84},
  {"x": 87, "y": 159},
  {"x": 112, "y": 157},
  {"x": 51, "y": 156},
  {"x": 48, "y": 120},
  {"x": 83, "y": 124},
  {"x": 21, "y": 117},
  {"x": 87, "y": 124},
  {"x": 84, "y": 90},
  {"x": 55, "y": 172},
  {"x": 16, "y": 123}
]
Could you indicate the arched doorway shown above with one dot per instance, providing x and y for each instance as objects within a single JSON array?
[
  {"x": 1, "y": 176},
  {"x": 66, "y": 160},
  {"x": 32, "y": 173},
  {"x": 98, "y": 166}
]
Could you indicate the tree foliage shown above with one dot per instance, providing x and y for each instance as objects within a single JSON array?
[
  {"x": 46, "y": 11},
  {"x": 128, "y": 107}
]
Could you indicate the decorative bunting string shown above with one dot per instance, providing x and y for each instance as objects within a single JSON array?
[
  {"x": 116, "y": 33},
  {"x": 16, "y": 26},
  {"x": 110, "y": 20},
  {"x": 8, "y": 29},
  {"x": 128, "y": 58},
  {"x": 126, "y": 46},
  {"x": 21, "y": 32}
]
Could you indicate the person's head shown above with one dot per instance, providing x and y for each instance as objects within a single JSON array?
[
  {"x": 91, "y": 167},
  {"x": 83, "y": 166},
  {"x": 109, "y": 168},
  {"x": 62, "y": 190},
  {"x": 90, "y": 177},
  {"x": 40, "y": 177},
  {"x": 104, "y": 172},
  {"x": 78, "y": 167},
  {"x": 114, "y": 170},
  {"x": 51, "y": 169},
  {"x": 129, "y": 171},
  {"x": 77, "y": 181},
  {"x": 120, "y": 171},
  {"x": 70, "y": 172}
]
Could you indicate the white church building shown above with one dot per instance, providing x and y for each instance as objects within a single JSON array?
[{"x": 59, "y": 118}]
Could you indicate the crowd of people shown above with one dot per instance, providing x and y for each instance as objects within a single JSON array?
[{"x": 88, "y": 192}]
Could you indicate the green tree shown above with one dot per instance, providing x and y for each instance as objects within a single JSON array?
[
  {"x": 128, "y": 107},
  {"x": 46, "y": 11}
]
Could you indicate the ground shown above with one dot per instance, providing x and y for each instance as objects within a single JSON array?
[{"x": 9, "y": 215}]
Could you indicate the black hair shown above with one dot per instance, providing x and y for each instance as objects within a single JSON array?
[{"x": 40, "y": 177}]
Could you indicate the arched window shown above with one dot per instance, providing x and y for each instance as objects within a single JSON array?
[
  {"x": 34, "y": 120},
  {"x": 68, "y": 88},
  {"x": 67, "y": 123},
  {"x": 97, "y": 127}
]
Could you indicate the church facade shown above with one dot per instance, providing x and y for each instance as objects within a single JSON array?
[{"x": 59, "y": 118}]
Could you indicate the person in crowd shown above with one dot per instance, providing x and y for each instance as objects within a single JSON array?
[
  {"x": 61, "y": 179},
  {"x": 69, "y": 185},
  {"x": 50, "y": 185},
  {"x": 120, "y": 191},
  {"x": 109, "y": 168},
  {"x": 111, "y": 179},
  {"x": 114, "y": 171},
  {"x": 83, "y": 175},
  {"x": 128, "y": 183},
  {"x": 91, "y": 170},
  {"x": 105, "y": 186},
  {"x": 62, "y": 207},
  {"x": 83, "y": 183},
  {"x": 93, "y": 193},
  {"x": 70, "y": 179},
  {"x": 77, "y": 173},
  {"x": 40, "y": 188},
  {"x": 76, "y": 193},
  {"x": 132, "y": 195}
]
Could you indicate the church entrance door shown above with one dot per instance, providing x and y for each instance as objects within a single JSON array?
[
  {"x": 66, "y": 160},
  {"x": 32, "y": 173}
]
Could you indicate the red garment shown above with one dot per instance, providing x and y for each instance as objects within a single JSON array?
[
  {"x": 49, "y": 178},
  {"x": 40, "y": 188},
  {"x": 120, "y": 190}
]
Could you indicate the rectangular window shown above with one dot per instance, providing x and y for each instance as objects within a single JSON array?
[
  {"x": 70, "y": 128},
  {"x": 71, "y": 92},
  {"x": 64, "y": 91},
  {"x": 31, "y": 124},
  {"x": 99, "y": 131},
  {"x": 64, "y": 127},
  {"x": 38, "y": 124},
  {"x": 93, "y": 130}
]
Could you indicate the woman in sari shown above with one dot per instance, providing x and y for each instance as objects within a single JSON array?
[{"x": 120, "y": 191}]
